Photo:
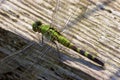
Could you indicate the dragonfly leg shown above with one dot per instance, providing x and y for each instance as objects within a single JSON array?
[
  {"x": 42, "y": 39},
  {"x": 41, "y": 43},
  {"x": 58, "y": 50}
]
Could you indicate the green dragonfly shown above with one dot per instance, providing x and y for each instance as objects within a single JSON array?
[{"x": 54, "y": 35}]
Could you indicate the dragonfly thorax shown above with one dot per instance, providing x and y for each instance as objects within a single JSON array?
[{"x": 36, "y": 26}]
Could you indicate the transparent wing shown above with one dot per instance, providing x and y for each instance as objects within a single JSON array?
[
  {"x": 73, "y": 26},
  {"x": 48, "y": 48},
  {"x": 68, "y": 16},
  {"x": 56, "y": 17},
  {"x": 54, "y": 13},
  {"x": 67, "y": 13},
  {"x": 59, "y": 21},
  {"x": 43, "y": 53},
  {"x": 63, "y": 14}
]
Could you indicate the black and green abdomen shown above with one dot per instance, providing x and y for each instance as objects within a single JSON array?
[{"x": 67, "y": 43}]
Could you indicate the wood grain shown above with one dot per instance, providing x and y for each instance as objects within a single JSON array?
[{"x": 93, "y": 26}]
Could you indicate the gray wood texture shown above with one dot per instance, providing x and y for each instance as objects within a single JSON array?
[{"x": 92, "y": 25}]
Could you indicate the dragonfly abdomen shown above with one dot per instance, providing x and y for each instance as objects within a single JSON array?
[
  {"x": 86, "y": 54},
  {"x": 64, "y": 41}
]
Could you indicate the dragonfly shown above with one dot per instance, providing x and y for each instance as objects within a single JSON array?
[{"x": 53, "y": 35}]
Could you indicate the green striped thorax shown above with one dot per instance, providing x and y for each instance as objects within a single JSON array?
[
  {"x": 39, "y": 27},
  {"x": 50, "y": 33}
]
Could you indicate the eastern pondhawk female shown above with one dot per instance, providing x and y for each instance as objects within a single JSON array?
[{"x": 53, "y": 35}]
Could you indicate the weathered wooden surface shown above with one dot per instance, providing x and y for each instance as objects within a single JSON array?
[{"x": 93, "y": 26}]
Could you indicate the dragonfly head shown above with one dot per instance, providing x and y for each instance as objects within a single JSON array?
[{"x": 36, "y": 25}]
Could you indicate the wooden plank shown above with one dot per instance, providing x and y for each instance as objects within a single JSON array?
[{"x": 93, "y": 26}]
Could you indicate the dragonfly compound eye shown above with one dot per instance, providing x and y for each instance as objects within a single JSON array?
[{"x": 36, "y": 26}]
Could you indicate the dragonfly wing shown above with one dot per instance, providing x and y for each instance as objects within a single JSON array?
[
  {"x": 54, "y": 13},
  {"x": 65, "y": 14},
  {"x": 35, "y": 61},
  {"x": 67, "y": 22}
]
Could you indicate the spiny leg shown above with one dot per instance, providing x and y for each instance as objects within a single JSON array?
[
  {"x": 58, "y": 50},
  {"x": 40, "y": 41},
  {"x": 54, "y": 42}
]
